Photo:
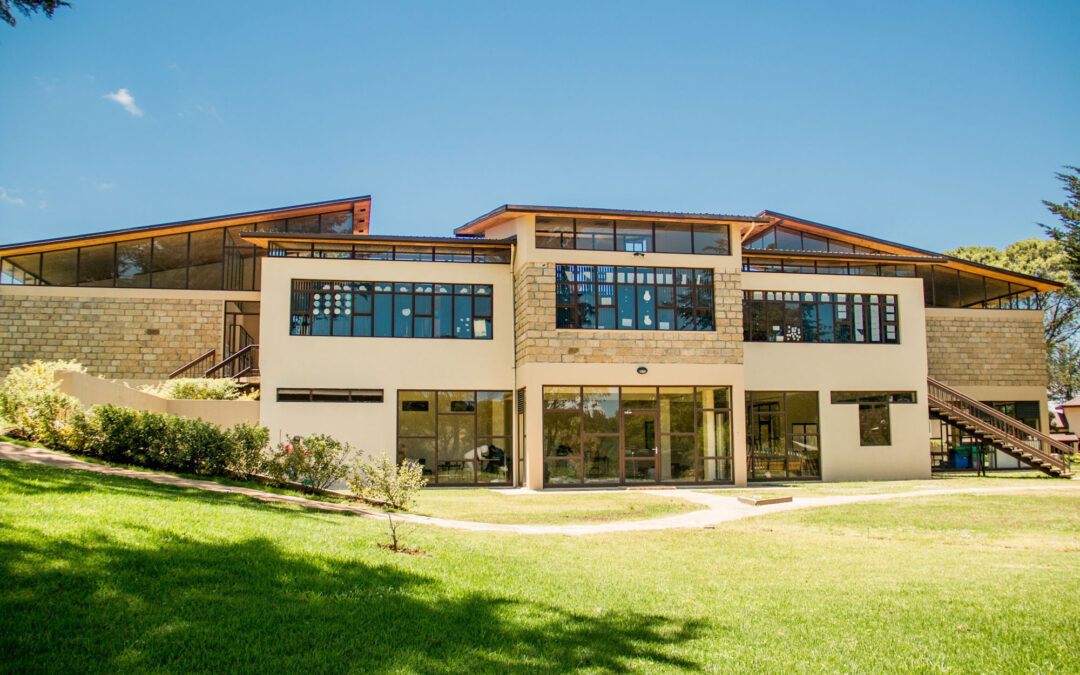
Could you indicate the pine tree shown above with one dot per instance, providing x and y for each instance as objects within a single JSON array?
[{"x": 1068, "y": 212}]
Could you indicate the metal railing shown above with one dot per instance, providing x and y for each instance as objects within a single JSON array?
[
  {"x": 997, "y": 424},
  {"x": 243, "y": 362},
  {"x": 196, "y": 367}
]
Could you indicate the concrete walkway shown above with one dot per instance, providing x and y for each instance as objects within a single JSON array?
[{"x": 718, "y": 508}]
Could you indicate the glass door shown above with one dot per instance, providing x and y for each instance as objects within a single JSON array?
[{"x": 641, "y": 454}]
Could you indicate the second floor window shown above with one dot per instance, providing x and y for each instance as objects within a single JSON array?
[
  {"x": 638, "y": 236},
  {"x": 391, "y": 309},
  {"x": 607, "y": 297},
  {"x": 782, "y": 316}
]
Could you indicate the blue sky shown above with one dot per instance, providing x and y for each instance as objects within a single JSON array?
[{"x": 935, "y": 124}]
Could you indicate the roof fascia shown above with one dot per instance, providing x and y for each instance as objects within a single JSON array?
[
  {"x": 498, "y": 214},
  {"x": 193, "y": 225}
]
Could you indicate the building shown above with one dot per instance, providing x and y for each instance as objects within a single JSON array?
[{"x": 546, "y": 346}]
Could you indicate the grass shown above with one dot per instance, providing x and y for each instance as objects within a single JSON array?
[
  {"x": 107, "y": 574},
  {"x": 496, "y": 507},
  {"x": 1032, "y": 479}
]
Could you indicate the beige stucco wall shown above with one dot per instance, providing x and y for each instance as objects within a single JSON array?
[
  {"x": 389, "y": 364},
  {"x": 825, "y": 368},
  {"x": 986, "y": 347},
  {"x": 92, "y": 390},
  {"x": 131, "y": 334}
]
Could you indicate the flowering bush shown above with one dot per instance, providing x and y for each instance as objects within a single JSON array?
[
  {"x": 247, "y": 441},
  {"x": 380, "y": 479},
  {"x": 316, "y": 461},
  {"x": 201, "y": 388},
  {"x": 31, "y": 400}
]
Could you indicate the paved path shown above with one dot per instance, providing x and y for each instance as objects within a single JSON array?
[{"x": 718, "y": 508}]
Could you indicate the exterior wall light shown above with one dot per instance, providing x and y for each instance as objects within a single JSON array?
[
  {"x": 641, "y": 370},
  {"x": 639, "y": 254}
]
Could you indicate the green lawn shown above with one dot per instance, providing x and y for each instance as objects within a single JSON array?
[
  {"x": 491, "y": 506},
  {"x": 1032, "y": 479},
  {"x": 110, "y": 574}
]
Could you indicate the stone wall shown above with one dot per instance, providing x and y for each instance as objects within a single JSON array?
[
  {"x": 537, "y": 339},
  {"x": 129, "y": 338},
  {"x": 979, "y": 347}
]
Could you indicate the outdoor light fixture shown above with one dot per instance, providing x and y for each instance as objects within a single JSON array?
[
  {"x": 639, "y": 254},
  {"x": 641, "y": 370}
]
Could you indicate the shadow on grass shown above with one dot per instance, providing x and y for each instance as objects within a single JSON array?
[
  {"x": 31, "y": 479},
  {"x": 134, "y": 597}
]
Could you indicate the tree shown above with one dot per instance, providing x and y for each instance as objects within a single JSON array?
[
  {"x": 1043, "y": 258},
  {"x": 28, "y": 7},
  {"x": 1068, "y": 212},
  {"x": 1063, "y": 362}
]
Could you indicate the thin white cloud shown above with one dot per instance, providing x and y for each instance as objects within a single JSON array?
[
  {"x": 124, "y": 98},
  {"x": 6, "y": 196}
]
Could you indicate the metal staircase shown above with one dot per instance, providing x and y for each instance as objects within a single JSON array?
[{"x": 996, "y": 429}]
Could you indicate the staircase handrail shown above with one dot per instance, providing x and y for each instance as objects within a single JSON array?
[
  {"x": 233, "y": 358},
  {"x": 192, "y": 364}
]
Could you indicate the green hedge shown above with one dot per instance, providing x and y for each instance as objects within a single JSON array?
[{"x": 165, "y": 442}]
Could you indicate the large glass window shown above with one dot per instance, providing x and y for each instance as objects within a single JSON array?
[
  {"x": 391, "y": 309},
  {"x": 782, "y": 435},
  {"x": 97, "y": 265},
  {"x": 639, "y": 236},
  {"x": 133, "y": 263},
  {"x": 778, "y": 237},
  {"x": 595, "y": 435},
  {"x": 457, "y": 437},
  {"x": 338, "y": 222},
  {"x": 607, "y": 297},
  {"x": 782, "y": 316}
]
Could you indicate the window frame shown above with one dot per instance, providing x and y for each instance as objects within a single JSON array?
[
  {"x": 391, "y": 298},
  {"x": 873, "y": 316},
  {"x": 567, "y": 236},
  {"x": 865, "y": 418},
  {"x": 579, "y": 288},
  {"x": 508, "y": 455}
]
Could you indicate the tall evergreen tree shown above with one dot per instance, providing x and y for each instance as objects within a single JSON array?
[{"x": 1068, "y": 212}]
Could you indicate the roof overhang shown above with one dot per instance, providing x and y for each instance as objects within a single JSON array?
[
  {"x": 510, "y": 211},
  {"x": 910, "y": 253},
  {"x": 361, "y": 207}
]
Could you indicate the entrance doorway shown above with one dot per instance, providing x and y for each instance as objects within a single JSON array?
[
  {"x": 640, "y": 450},
  {"x": 610, "y": 435}
]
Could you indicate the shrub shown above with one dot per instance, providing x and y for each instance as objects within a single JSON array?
[
  {"x": 316, "y": 461},
  {"x": 30, "y": 398},
  {"x": 80, "y": 432},
  {"x": 169, "y": 442},
  {"x": 248, "y": 441},
  {"x": 201, "y": 388},
  {"x": 380, "y": 479}
]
